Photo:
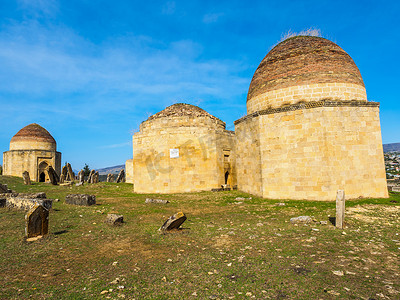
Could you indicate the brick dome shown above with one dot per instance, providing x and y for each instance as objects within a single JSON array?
[
  {"x": 304, "y": 68},
  {"x": 33, "y": 136}
]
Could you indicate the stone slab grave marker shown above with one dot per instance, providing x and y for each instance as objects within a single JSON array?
[
  {"x": 173, "y": 222},
  {"x": 37, "y": 222},
  {"x": 158, "y": 201},
  {"x": 71, "y": 175},
  {"x": 64, "y": 171},
  {"x": 80, "y": 199},
  {"x": 26, "y": 177},
  {"x": 90, "y": 178},
  {"x": 110, "y": 177},
  {"x": 121, "y": 176},
  {"x": 340, "y": 208},
  {"x": 62, "y": 178},
  {"x": 81, "y": 175},
  {"x": 54, "y": 179}
]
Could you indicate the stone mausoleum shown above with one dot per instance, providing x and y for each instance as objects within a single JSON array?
[
  {"x": 32, "y": 149},
  {"x": 309, "y": 131}
]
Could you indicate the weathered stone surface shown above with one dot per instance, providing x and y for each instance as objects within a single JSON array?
[
  {"x": 114, "y": 219},
  {"x": 4, "y": 188},
  {"x": 340, "y": 208},
  {"x": 39, "y": 195},
  {"x": 173, "y": 222},
  {"x": 110, "y": 177},
  {"x": 26, "y": 177},
  {"x": 24, "y": 203},
  {"x": 395, "y": 188},
  {"x": 301, "y": 220},
  {"x": 121, "y": 176},
  {"x": 79, "y": 184},
  {"x": 90, "y": 178},
  {"x": 71, "y": 175},
  {"x": 159, "y": 201},
  {"x": 64, "y": 172},
  {"x": 62, "y": 178},
  {"x": 80, "y": 199},
  {"x": 69, "y": 183},
  {"x": 81, "y": 176},
  {"x": 54, "y": 179},
  {"x": 37, "y": 221},
  {"x": 96, "y": 177}
]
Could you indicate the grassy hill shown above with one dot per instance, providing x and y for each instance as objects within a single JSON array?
[
  {"x": 391, "y": 147},
  {"x": 233, "y": 246}
]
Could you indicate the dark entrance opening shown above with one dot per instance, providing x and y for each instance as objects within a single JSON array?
[
  {"x": 226, "y": 177},
  {"x": 42, "y": 177}
]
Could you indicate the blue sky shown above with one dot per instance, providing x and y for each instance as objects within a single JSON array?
[{"x": 91, "y": 71}]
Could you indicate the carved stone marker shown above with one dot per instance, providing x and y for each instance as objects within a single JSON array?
[
  {"x": 110, "y": 177},
  {"x": 96, "y": 177},
  {"x": 37, "y": 221},
  {"x": 121, "y": 176},
  {"x": 173, "y": 222},
  {"x": 64, "y": 171},
  {"x": 71, "y": 175},
  {"x": 54, "y": 179},
  {"x": 27, "y": 179},
  {"x": 62, "y": 178},
  {"x": 340, "y": 208},
  {"x": 90, "y": 179},
  {"x": 114, "y": 219},
  {"x": 80, "y": 199},
  {"x": 81, "y": 175},
  {"x": 301, "y": 220}
]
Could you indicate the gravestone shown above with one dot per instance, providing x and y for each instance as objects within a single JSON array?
[
  {"x": 158, "y": 201},
  {"x": 90, "y": 179},
  {"x": 340, "y": 208},
  {"x": 62, "y": 178},
  {"x": 121, "y": 176},
  {"x": 110, "y": 177},
  {"x": 37, "y": 221},
  {"x": 54, "y": 179},
  {"x": 26, "y": 177},
  {"x": 71, "y": 175},
  {"x": 301, "y": 220},
  {"x": 173, "y": 222},
  {"x": 96, "y": 177},
  {"x": 64, "y": 172},
  {"x": 4, "y": 188},
  {"x": 81, "y": 175},
  {"x": 80, "y": 199}
]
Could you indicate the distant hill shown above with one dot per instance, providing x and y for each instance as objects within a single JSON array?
[
  {"x": 112, "y": 170},
  {"x": 391, "y": 147}
]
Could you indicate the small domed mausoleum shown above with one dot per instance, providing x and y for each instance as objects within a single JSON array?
[
  {"x": 32, "y": 149},
  {"x": 182, "y": 149}
]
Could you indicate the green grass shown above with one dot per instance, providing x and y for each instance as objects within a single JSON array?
[{"x": 227, "y": 249}]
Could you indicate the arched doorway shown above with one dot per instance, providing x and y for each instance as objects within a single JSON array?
[
  {"x": 226, "y": 177},
  {"x": 42, "y": 171}
]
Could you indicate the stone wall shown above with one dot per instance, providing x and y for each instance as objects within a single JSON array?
[
  {"x": 177, "y": 154},
  {"x": 310, "y": 153},
  {"x": 129, "y": 171}
]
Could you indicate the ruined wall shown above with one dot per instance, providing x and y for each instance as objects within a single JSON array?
[
  {"x": 17, "y": 161},
  {"x": 178, "y": 154},
  {"x": 310, "y": 152}
]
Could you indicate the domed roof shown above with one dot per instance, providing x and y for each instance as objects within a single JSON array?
[
  {"x": 182, "y": 110},
  {"x": 303, "y": 60},
  {"x": 33, "y": 132}
]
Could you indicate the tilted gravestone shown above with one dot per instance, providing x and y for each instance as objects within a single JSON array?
[
  {"x": 80, "y": 199},
  {"x": 26, "y": 177},
  {"x": 71, "y": 175},
  {"x": 37, "y": 221},
  {"x": 173, "y": 222},
  {"x": 54, "y": 179},
  {"x": 64, "y": 171},
  {"x": 121, "y": 176},
  {"x": 96, "y": 177}
]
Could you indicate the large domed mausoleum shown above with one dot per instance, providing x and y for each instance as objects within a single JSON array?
[
  {"x": 32, "y": 149},
  {"x": 310, "y": 129}
]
